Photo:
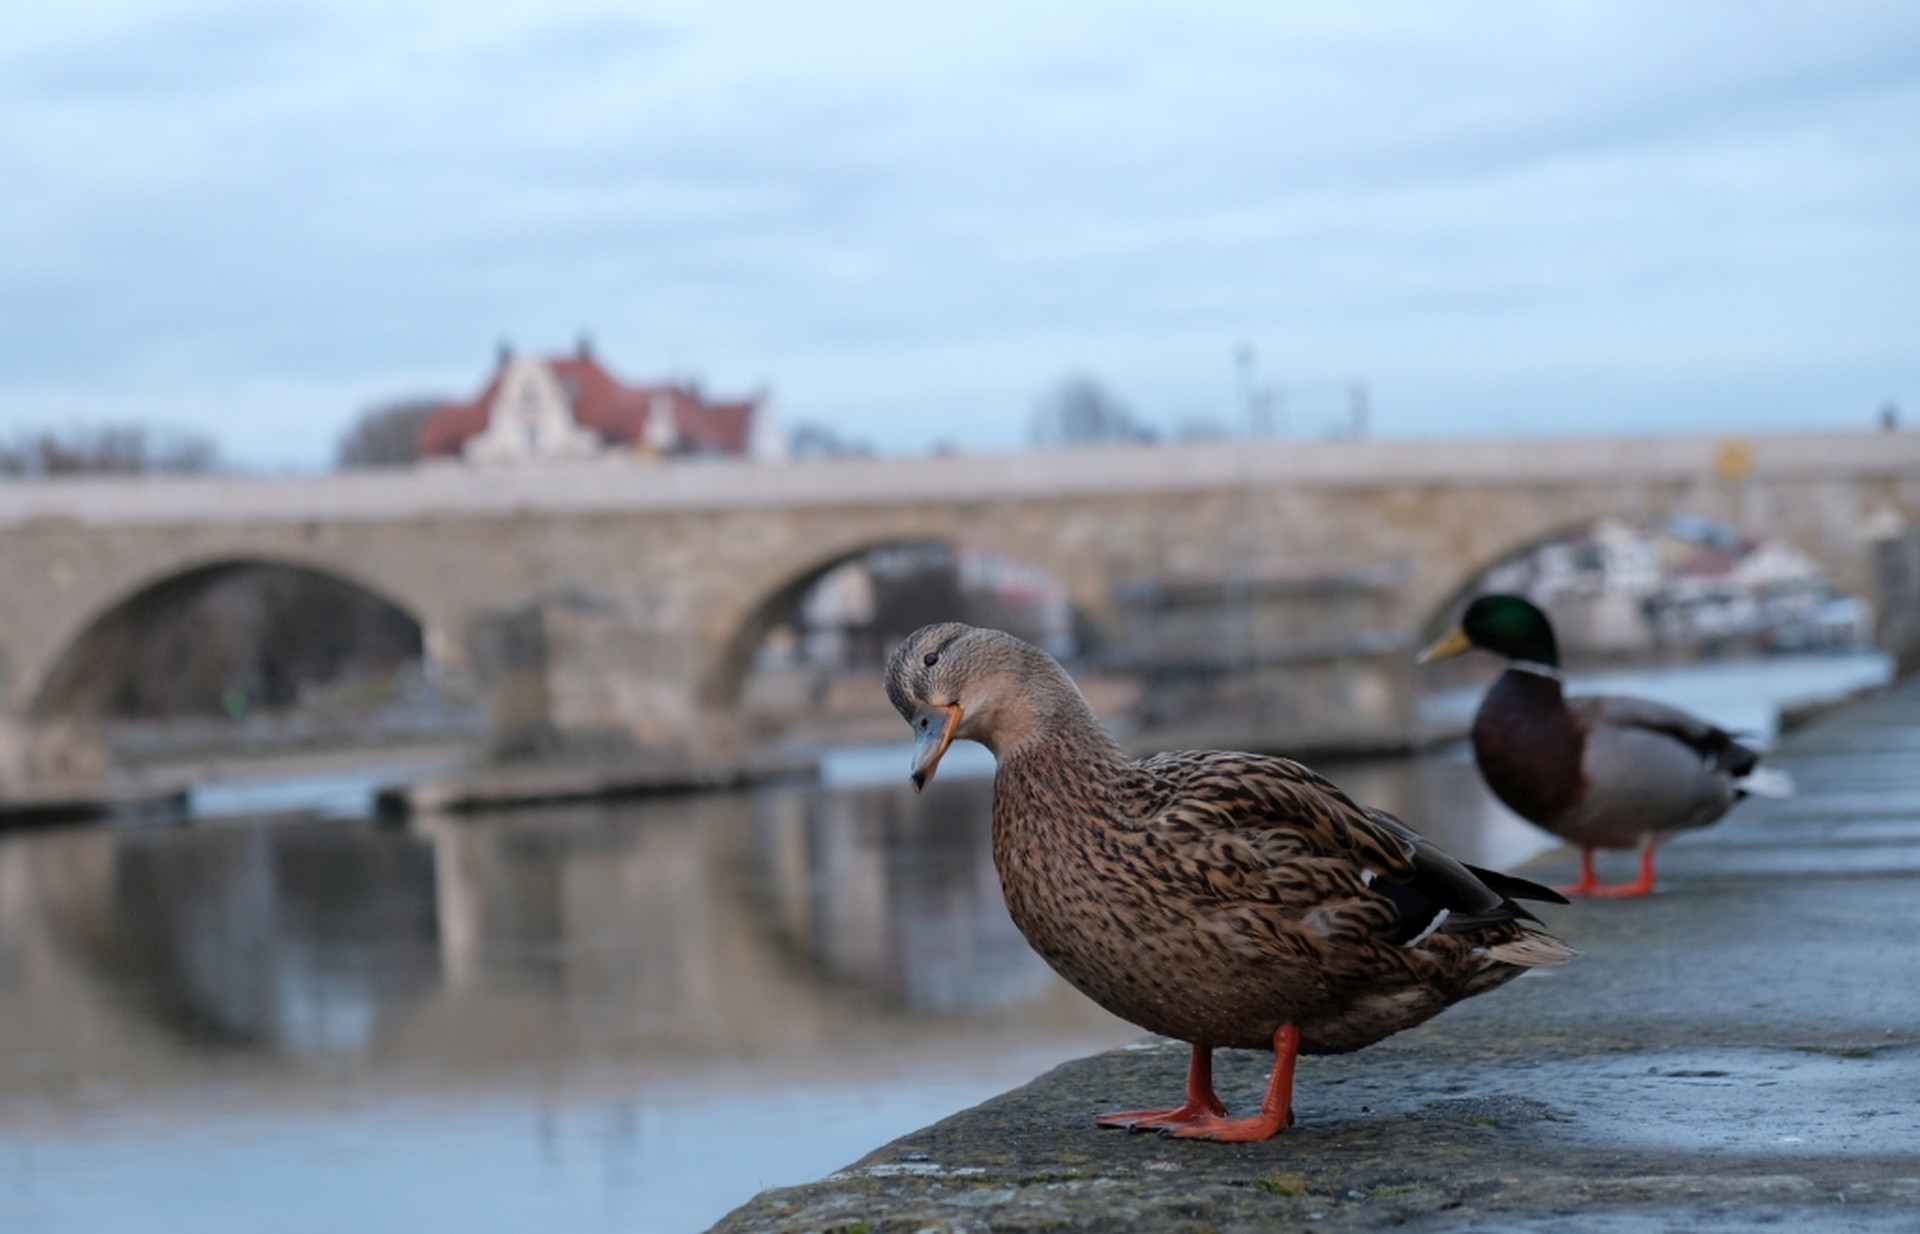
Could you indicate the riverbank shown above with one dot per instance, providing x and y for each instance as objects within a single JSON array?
[
  {"x": 508, "y": 787},
  {"x": 1742, "y": 1048}
]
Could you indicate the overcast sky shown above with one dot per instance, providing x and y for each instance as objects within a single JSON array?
[{"x": 908, "y": 222}]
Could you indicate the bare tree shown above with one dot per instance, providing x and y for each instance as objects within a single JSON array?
[
  {"x": 387, "y": 435},
  {"x": 1080, "y": 412},
  {"x": 113, "y": 449},
  {"x": 811, "y": 439}
]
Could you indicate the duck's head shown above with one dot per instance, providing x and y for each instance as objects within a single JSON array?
[
  {"x": 1511, "y": 626},
  {"x": 953, "y": 681}
]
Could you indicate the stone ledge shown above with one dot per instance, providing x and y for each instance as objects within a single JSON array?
[
  {"x": 1382, "y": 1142},
  {"x": 1739, "y": 1050}
]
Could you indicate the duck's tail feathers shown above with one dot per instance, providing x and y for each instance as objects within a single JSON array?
[
  {"x": 1515, "y": 888},
  {"x": 1532, "y": 948},
  {"x": 1765, "y": 782}
]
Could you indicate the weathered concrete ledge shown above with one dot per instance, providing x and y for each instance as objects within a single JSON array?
[{"x": 1741, "y": 1050}]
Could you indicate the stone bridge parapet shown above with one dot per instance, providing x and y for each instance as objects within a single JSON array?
[{"x": 620, "y": 600}]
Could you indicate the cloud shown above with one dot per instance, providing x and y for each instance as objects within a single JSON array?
[{"x": 875, "y": 208}]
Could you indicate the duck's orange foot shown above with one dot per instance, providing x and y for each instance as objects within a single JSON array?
[
  {"x": 1232, "y": 1130},
  {"x": 1204, "y": 1117},
  {"x": 1589, "y": 881},
  {"x": 1589, "y": 885},
  {"x": 1621, "y": 891},
  {"x": 1616, "y": 891},
  {"x": 1200, "y": 1103},
  {"x": 1162, "y": 1120},
  {"x": 1276, "y": 1108}
]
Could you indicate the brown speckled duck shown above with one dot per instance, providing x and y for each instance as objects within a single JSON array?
[
  {"x": 1227, "y": 900},
  {"x": 1603, "y": 771}
]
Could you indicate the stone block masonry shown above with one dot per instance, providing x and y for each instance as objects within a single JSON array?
[{"x": 649, "y": 586}]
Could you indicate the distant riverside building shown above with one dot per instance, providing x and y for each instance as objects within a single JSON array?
[
  {"x": 1624, "y": 590},
  {"x": 561, "y": 407}
]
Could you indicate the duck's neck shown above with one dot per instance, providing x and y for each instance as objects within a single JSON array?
[
  {"x": 1528, "y": 744},
  {"x": 1058, "y": 788},
  {"x": 1051, "y": 740},
  {"x": 1550, "y": 671},
  {"x": 1059, "y": 730},
  {"x": 1529, "y": 687}
]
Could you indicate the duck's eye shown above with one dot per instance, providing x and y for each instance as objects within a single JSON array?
[
  {"x": 932, "y": 658},
  {"x": 924, "y": 722}
]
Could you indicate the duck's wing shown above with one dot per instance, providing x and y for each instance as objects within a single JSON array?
[
  {"x": 1283, "y": 807},
  {"x": 1514, "y": 887},
  {"x": 1257, "y": 826},
  {"x": 1599, "y": 712},
  {"x": 1468, "y": 896}
]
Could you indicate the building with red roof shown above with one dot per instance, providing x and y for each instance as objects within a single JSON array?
[{"x": 572, "y": 407}]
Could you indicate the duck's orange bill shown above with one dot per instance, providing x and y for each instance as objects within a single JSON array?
[
  {"x": 933, "y": 729},
  {"x": 1453, "y": 643}
]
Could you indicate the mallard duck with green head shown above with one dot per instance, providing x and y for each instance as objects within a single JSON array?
[
  {"x": 1227, "y": 900},
  {"x": 1600, "y": 770}
]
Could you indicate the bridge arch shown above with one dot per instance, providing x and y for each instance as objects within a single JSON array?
[
  {"x": 85, "y": 675},
  {"x": 1459, "y": 586},
  {"x": 1436, "y": 616},
  {"x": 724, "y": 678}
]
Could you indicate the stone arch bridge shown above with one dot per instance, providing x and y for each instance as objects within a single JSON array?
[{"x": 624, "y": 600}]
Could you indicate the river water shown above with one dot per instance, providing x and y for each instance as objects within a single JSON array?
[{"x": 623, "y": 1017}]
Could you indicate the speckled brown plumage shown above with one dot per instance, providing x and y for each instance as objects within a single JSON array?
[{"x": 1210, "y": 896}]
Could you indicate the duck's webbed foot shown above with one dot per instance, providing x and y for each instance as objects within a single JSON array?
[
  {"x": 1276, "y": 1109},
  {"x": 1590, "y": 885},
  {"x": 1200, "y": 1103},
  {"x": 1261, "y": 1126},
  {"x": 1160, "y": 1120}
]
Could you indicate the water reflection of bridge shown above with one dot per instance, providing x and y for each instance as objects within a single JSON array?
[{"x": 695, "y": 934}]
